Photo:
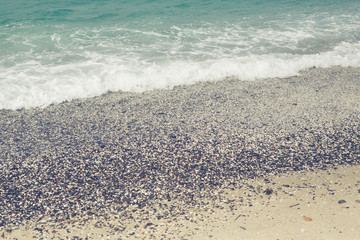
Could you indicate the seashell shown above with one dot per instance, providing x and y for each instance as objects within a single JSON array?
[{"x": 307, "y": 219}]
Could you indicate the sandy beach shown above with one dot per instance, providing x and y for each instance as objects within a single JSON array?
[
  {"x": 305, "y": 205},
  {"x": 265, "y": 159}
]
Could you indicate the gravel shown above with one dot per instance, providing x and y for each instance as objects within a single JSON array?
[{"x": 109, "y": 154}]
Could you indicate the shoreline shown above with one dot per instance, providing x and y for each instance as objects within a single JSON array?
[{"x": 173, "y": 149}]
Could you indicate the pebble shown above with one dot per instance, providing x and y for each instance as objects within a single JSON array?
[{"x": 268, "y": 191}]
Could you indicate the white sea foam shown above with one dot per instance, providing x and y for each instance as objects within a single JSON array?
[{"x": 35, "y": 83}]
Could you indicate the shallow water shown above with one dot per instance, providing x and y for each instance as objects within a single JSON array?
[{"x": 51, "y": 51}]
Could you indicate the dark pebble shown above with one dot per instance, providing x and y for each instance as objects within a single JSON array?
[
  {"x": 341, "y": 201},
  {"x": 148, "y": 224},
  {"x": 268, "y": 191}
]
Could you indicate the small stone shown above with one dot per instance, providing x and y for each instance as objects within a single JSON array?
[
  {"x": 268, "y": 191},
  {"x": 38, "y": 229},
  {"x": 341, "y": 201},
  {"x": 357, "y": 201},
  {"x": 266, "y": 180},
  {"x": 148, "y": 224}
]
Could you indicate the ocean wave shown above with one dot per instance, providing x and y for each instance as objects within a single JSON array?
[
  {"x": 85, "y": 50},
  {"x": 32, "y": 84}
]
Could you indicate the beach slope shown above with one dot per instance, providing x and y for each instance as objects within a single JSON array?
[{"x": 177, "y": 163}]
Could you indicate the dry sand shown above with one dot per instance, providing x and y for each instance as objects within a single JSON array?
[{"x": 305, "y": 205}]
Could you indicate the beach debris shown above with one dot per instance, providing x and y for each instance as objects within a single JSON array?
[
  {"x": 357, "y": 201},
  {"x": 307, "y": 219},
  {"x": 240, "y": 215},
  {"x": 341, "y": 201},
  {"x": 294, "y": 205}
]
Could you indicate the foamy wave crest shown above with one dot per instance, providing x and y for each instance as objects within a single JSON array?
[{"x": 38, "y": 84}]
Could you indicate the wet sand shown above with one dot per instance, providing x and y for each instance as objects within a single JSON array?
[{"x": 160, "y": 163}]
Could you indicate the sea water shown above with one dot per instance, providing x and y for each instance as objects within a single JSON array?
[{"x": 52, "y": 51}]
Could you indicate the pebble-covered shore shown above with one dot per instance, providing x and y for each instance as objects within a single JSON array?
[{"x": 112, "y": 154}]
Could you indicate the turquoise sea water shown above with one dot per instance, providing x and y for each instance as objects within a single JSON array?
[{"x": 51, "y": 51}]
